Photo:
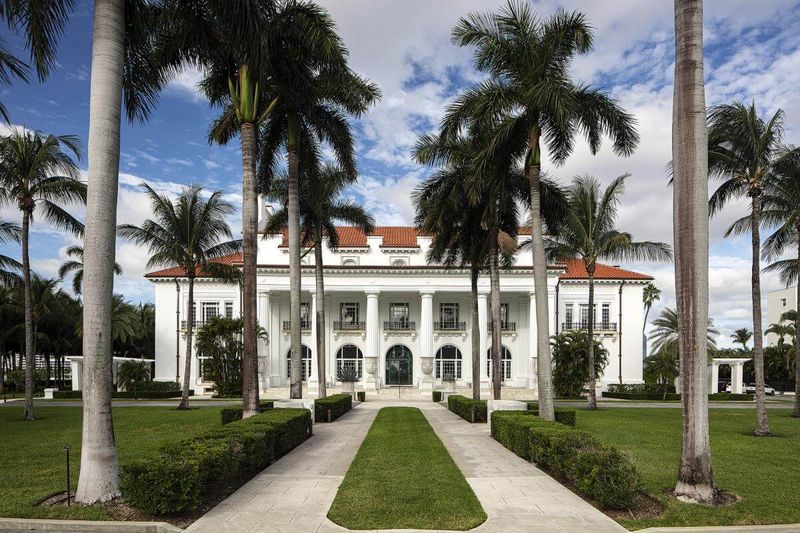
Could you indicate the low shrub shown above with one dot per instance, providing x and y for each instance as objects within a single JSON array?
[
  {"x": 142, "y": 395},
  {"x": 716, "y": 397},
  {"x": 467, "y": 408},
  {"x": 160, "y": 386},
  {"x": 638, "y": 388},
  {"x": 601, "y": 473},
  {"x": 232, "y": 414},
  {"x": 563, "y": 415},
  {"x": 436, "y": 396},
  {"x": 337, "y": 405},
  {"x": 361, "y": 396},
  {"x": 185, "y": 474},
  {"x": 730, "y": 397}
]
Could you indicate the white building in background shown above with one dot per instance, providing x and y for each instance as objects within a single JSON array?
[
  {"x": 397, "y": 319},
  {"x": 778, "y": 302}
]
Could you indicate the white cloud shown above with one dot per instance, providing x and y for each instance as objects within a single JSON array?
[{"x": 186, "y": 84}]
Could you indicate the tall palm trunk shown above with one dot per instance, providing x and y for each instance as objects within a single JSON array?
[
  {"x": 99, "y": 474},
  {"x": 544, "y": 369},
  {"x": 494, "y": 296},
  {"x": 30, "y": 349},
  {"x": 690, "y": 223},
  {"x": 249, "y": 258},
  {"x": 762, "y": 422},
  {"x": 320, "y": 317},
  {"x": 592, "y": 404},
  {"x": 295, "y": 377},
  {"x": 476, "y": 334},
  {"x": 187, "y": 363},
  {"x": 796, "y": 412}
]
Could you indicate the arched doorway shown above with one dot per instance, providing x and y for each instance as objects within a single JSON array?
[
  {"x": 350, "y": 356},
  {"x": 399, "y": 366},
  {"x": 305, "y": 359}
]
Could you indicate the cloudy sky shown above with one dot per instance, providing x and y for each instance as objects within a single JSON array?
[{"x": 752, "y": 52}]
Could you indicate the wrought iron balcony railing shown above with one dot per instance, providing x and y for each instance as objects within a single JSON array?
[
  {"x": 347, "y": 325},
  {"x": 598, "y": 326},
  {"x": 304, "y": 325},
  {"x": 505, "y": 326},
  {"x": 195, "y": 324},
  {"x": 399, "y": 325},
  {"x": 450, "y": 325}
]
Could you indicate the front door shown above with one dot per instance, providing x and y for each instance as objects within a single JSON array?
[{"x": 399, "y": 367}]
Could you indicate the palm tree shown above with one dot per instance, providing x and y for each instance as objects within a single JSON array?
[
  {"x": 74, "y": 266},
  {"x": 530, "y": 98},
  {"x": 662, "y": 367},
  {"x": 690, "y": 195},
  {"x": 131, "y": 374},
  {"x": 317, "y": 109},
  {"x": 650, "y": 295},
  {"x": 665, "y": 335},
  {"x": 186, "y": 233},
  {"x": 123, "y": 69},
  {"x": 321, "y": 206},
  {"x": 588, "y": 232},
  {"x": 742, "y": 336},
  {"x": 38, "y": 173},
  {"x": 781, "y": 211},
  {"x": 41, "y": 23},
  {"x": 9, "y": 232},
  {"x": 274, "y": 43},
  {"x": 743, "y": 148}
]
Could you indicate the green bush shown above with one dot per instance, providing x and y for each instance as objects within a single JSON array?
[
  {"x": 563, "y": 415},
  {"x": 638, "y": 388},
  {"x": 361, "y": 396},
  {"x": 571, "y": 362},
  {"x": 160, "y": 386},
  {"x": 729, "y": 397},
  {"x": 232, "y": 414},
  {"x": 142, "y": 395},
  {"x": 716, "y": 397},
  {"x": 337, "y": 404},
  {"x": 601, "y": 473},
  {"x": 183, "y": 475},
  {"x": 467, "y": 408},
  {"x": 437, "y": 396}
]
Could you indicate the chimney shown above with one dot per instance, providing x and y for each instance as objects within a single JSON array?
[{"x": 265, "y": 210}]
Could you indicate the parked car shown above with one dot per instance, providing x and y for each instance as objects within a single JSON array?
[
  {"x": 729, "y": 388},
  {"x": 751, "y": 389}
]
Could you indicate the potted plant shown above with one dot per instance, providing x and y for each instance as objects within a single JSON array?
[
  {"x": 348, "y": 376},
  {"x": 449, "y": 382}
]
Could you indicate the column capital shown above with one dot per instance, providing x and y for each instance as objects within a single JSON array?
[
  {"x": 483, "y": 295},
  {"x": 372, "y": 293},
  {"x": 532, "y": 295},
  {"x": 263, "y": 292},
  {"x": 426, "y": 293}
]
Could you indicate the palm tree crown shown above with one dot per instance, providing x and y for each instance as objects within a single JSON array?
[
  {"x": 742, "y": 336},
  {"x": 9, "y": 232},
  {"x": 664, "y": 335},
  {"x": 74, "y": 266}
]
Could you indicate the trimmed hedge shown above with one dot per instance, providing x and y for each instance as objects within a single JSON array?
[
  {"x": 436, "y": 396},
  {"x": 467, "y": 408},
  {"x": 159, "y": 386},
  {"x": 141, "y": 395},
  {"x": 716, "y": 397},
  {"x": 337, "y": 404},
  {"x": 361, "y": 396},
  {"x": 601, "y": 473},
  {"x": 185, "y": 474},
  {"x": 639, "y": 388},
  {"x": 563, "y": 415},
  {"x": 232, "y": 414}
]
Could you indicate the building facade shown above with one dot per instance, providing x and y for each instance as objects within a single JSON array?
[
  {"x": 397, "y": 320},
  {"x": 778, "y": 302}
]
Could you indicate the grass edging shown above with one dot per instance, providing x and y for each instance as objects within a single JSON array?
[{"x": 402, "y": 477}]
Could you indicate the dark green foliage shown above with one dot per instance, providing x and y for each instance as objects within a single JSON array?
[
  {"x": 337, "y": 404},
  {"x": 717, "y": 397},
  {"x": 185, "y": 474},
  {"x": 220, "y": 342},
  {"x": 601, "y": 473},
  {"x": 142, "y": 395},
  {"x": 160, "y": 386},
  {"x": 637, "y": 388},
  {"x": 564, "y": 415},
  {"x": 436, "y": 396},
  {"x": 467, "y": 408},
  {"x": 571, "y": 362},
  {"x": 232, "y": 414},
  {"x": 361, "y": 396}
]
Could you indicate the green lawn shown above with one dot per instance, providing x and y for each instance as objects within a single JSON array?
[
  {"x": 761, "y": 471},
  {"x": 32, "y": 461},
  {"x": 403, "y": 478}
]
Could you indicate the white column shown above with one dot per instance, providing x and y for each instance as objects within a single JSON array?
[
  {"x": 737, "y": 375},
  {"x": 313, "y": 379},
  {"x": 483, "y": 326},
  {"x": 714, "y": 377},
  {"x": 551, "y": 308},
  {"x": 264, "y": 345},
  {"x": 373, "y": 342},
  {"x": 532, "y": 353},
  {"x": 426, "y": 339}
]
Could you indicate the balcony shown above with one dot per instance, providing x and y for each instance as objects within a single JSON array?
[
  {"x": 305, "y": 325},
  {"x": 196, "y": 324},
  {"x": 399, "y": 325},
  {"x": 450, "y": 325},
  {"x": 599, "y": 327},
  {"x": 505, "y": 327},
  {"x": 349, "y": 325}
]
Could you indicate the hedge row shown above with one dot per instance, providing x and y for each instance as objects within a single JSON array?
[
  {"x": 563, "y": 415},
  {"x": 436, "y": 396},
  {"x": 638, "y": 388},
  {"x": 716, "y": 397},
  {"x": 232, "y": 414},
  {"x": 467, "y": 408},
  {"x": 185, "y": 474},
  {"x": 336, "y": 404},
  {"x": 142, "y": 395},
  {"x": 361, "y": 396},
  {"x": 157, "y": 386},
  {"x": 601, "y": 473}
]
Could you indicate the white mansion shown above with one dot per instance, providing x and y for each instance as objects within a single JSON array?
[{"x": 384, "y": 301}]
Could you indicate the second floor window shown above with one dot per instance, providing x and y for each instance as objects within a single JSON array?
[
  {"x": 504, "y": 315},
  {"x": 304, "y": 312},
  {"x": 448, "y": 313},
  {"x": 348, "y": 312},
  {"x": 568, "y": 318},
  {"x": 398, "y": 313},
  {"x": 210, "y": 311},
  {"x": 228, "y": 309},
  {"x": 606, "y": 315}
]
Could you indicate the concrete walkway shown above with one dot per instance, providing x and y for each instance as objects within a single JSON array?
[{"x": 295, "y": 493}]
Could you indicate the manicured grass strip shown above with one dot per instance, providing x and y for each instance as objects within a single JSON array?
[
  {"x": 403, "y": 478},
  {"x": 32, "y": 460},
  {"x": 759, "y": 470}
]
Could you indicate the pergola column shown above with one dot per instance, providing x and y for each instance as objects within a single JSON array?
[
  {"x": 714, "y": 384},
  {"x": 737, "y": 375}
]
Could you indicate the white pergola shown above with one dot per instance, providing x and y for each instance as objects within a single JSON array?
[
  {"x": 76, "y": 365},
  {"x": 737, "y": 373}
]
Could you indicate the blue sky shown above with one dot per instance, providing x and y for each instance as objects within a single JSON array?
[{"x": 752, "y": 52}]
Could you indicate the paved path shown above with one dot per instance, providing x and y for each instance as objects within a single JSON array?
[{"x": 296, "y": 492}]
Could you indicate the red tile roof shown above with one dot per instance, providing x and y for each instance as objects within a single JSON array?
[
  {"x": 577, "y": 270},
  {"x": 177, "y": 272},
  {"x": 352, "y": 237}
]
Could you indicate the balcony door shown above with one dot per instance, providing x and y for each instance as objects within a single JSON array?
[{"x": 399, "y": 366}]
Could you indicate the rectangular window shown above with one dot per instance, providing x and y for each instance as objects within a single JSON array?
[
  {"x": 398, "y": 312},
  {"x": 606, "y": 316},
  {"x": 228, "y": 309},
  {"x": 504, "y": 314},
  {"x": 568, "y": 317},
  {"x": 210, "y": 311},
  {"x": 348, "y": 312},
  {"x": 448, "y": 314},
  {"x": 584, "y": 309}
]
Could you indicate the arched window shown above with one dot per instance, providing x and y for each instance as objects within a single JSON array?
[
  {"x": 349, "y": 356},
  {"x": 399, "y": 262},
  {"x": 505, "y": 363},
  {"x": 305, "y": 358},
  {"x": 448, "y": 362}
]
